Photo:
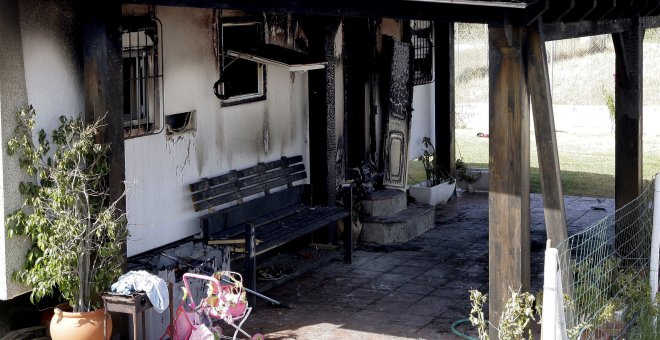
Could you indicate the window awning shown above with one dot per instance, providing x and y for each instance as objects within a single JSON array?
[{"x": 279, "y": 56}]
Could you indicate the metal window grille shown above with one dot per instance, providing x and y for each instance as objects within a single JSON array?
[
  {"x": 143, "y": 76},
  {"x": 422, "y": 41}
]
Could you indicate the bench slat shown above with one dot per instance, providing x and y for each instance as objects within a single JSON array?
[
  {"x": 304, "y": 229},
  {"x": 238, "y": 215},
  {"x": 246, "y": 182},
  {"x": 218, "y": 200},
  {"x": 208, "y": 183},
  {"x": 286, "y": 229},
  {"x": 238, "y": 230}
]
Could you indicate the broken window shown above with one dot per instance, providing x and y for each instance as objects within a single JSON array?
[
  {"x": 422, "y": 41},
  {"x": 142, "y": 75},
  {"x": 241, "y": 80}
]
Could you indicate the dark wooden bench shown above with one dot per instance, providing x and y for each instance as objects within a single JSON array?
[{"x": 268, "y": 221}]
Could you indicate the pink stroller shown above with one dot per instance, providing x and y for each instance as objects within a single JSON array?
[{"x": 225, "y": 300}]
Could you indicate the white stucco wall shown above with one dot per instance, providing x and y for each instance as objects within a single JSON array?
[
  {"x": 159, "y": 207},
  {"x": 53, "y": 65},
  {"x": 53, "y": 85},
  {"x": 423, "y": 118}
]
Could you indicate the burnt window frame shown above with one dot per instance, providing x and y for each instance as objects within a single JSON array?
[
  {"x": 142, "y": 47},
  {"x": 422, "y": 40},
  {"x": 227, "y": 62}
]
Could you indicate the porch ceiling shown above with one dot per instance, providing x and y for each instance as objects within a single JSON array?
[{"x": 572, "y": 16}]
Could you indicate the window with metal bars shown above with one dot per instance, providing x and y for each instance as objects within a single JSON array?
[
  {"x": 422, "y": 41},
  {"x": 142, "y": 75}
]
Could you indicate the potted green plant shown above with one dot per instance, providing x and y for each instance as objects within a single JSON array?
[
  {"x": 439, "y": 185},
  {"x": 78, "y": 233},
  {"x": 471, "y": 179}
]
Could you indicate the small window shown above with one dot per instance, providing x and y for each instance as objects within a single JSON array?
[
  {"x": 143, "y": 76},
  {"x": 241, "y": 81},
  {"x": 422, "y": 41},
  {"x": 178, "y": 123}
]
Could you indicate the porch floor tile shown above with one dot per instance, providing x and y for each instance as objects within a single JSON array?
[{"x": 408, "y": 294}]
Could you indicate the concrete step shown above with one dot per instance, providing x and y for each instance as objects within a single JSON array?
[
  {"x": 402, "y": 227},
  {"x": 387, "y": 202}
]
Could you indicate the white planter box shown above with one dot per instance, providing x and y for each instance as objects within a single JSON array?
[
  {"x": 438, "y": 194},
  {"x": 480, "y": 185}
]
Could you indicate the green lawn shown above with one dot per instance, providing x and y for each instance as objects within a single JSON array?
[{"x": 586, "y": 160}]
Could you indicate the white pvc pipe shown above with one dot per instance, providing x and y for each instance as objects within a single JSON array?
[
  {"x": 549, "y": 316},
  {"x": 561, "y": 316},
  {"x": 655, "y": 240}
]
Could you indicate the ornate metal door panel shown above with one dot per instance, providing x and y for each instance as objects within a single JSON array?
[{"x": 397, "y": 121}]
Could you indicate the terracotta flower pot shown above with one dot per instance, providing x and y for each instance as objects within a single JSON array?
[{"x": 74, "y": 326}]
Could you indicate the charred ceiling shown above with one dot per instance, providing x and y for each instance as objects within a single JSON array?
[{"x": 564, "y": 18}]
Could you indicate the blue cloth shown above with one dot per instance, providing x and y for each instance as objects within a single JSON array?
[{"x": 142, "y": 281}]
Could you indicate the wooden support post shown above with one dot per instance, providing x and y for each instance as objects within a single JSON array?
[
  {"x": 323, "y": 134},
  {"x": 445, "y": 107},
  {"x": 102, "y": 74},
  {"x": 628, "y": 130},
  {"x": 102, "y": 58},
  {"x": 508, "y": 199},
  {"x": 251, "y": 263},
  {"x": 538, "y": 84}
]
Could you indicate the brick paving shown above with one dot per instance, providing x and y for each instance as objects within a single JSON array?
[{"x": 416, "y": 292}]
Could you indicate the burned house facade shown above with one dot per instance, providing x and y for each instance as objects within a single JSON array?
[
  {"x": 189, "y": 93},
  {"x": 194, "y": 89}
]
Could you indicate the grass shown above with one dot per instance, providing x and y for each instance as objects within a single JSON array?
[{"x": 586, "y": 160}]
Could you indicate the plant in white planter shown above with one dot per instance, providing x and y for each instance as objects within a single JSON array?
[
  {"x": 77, "y": 231},
  {"x": 469, "y": 177},
  {"x": 439, "y": 185}
]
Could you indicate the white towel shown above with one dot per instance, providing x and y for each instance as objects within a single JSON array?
[{"x": 140, "y": 280}]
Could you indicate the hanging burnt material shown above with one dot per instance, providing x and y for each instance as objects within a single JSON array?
[{"x": 398, "y": 104}]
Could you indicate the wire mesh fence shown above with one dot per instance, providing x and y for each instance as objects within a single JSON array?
[{"x": 605, "y": 271}]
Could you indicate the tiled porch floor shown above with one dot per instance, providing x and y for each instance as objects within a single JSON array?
[{"x": 414, "y": 293}]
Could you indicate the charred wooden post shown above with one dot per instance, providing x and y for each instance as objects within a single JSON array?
[
  {"x": 102, "y": 72},
  {"x": 445, "y": 105},
  {"x": 323, "y": 172},
  {"x": 356, "y": 78},
  {"x": 628, "y": 129},
  {"x": 538, "y": 84},
  {"x": 103, "y": 90},
  {"x": 508, "y": 200}
]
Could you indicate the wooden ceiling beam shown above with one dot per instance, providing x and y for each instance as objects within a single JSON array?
[
  {"x": 650, "y": 22},
  {"x": 581, "y": 10},
  {"x": 650, "y": 8},
  {"x": 605, "y": 7},
  {"x": 558, "y": 9},
  {"x": 622, "y": 6},
  {"x": 532, "y": 13},
  {"x": 569, "y": 30},
  {"x": 636, "y": 6}
]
